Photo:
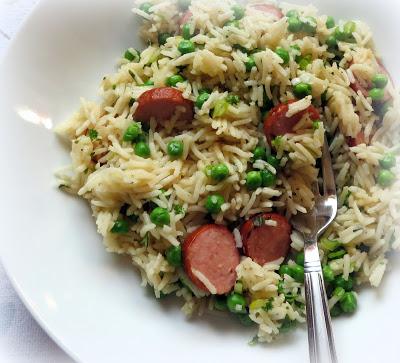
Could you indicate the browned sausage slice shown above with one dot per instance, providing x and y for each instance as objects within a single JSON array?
[
  {"x": 276, "y": 122},
  {"x": 162, "y": 103},
  {"x": 265, "y": 243},
  {"x": 210, "y": 258}
]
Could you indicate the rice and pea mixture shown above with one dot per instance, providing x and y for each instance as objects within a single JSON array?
[{"x": 151, "y": 184}]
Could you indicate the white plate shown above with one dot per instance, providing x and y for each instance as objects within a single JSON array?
[{"x": 89, "y": 301}]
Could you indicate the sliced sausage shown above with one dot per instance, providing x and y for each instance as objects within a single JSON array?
[
  {"x": 270, "y": 9},
  {"x": 265, "y": 243},
  {"x": 277, "y": 123},
  {"x": 162, "y": 103},
  {"x": 185, "y": 17},
  {"x": 211, "y": 251}
]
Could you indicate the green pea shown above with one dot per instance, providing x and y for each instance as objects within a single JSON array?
[
  {"x": 250, "y": 64},
  {"x": 201, "y": 98},
  {"x": 268, "y": 178},
  {"x": 146, "y": 7},
  {"x": 162, "y": 38},
  {"x": 132, "y": 132},
  {"x": 337, "y": 254},
  {"x": 174, "y": 255},
  {"x": 300, "y": 258},
  {"x": 302, "y": 90},
  {"x": 310, "y": 25},
  {"x": 238, "y": 12},
  {"x": 339, "y": 292},
  {"x": 184, "y": 4},
  {"x": 348, "y": 302},
  {"x": 142, "y": 149},
  {"x": 327, "y": 271},
  {"x": 284, "y": 54},
  {"x": 388, "y": 161},
  {"x": 219, "y": 172},
  {"x": 294, "y": 24},
  {"x": 285, "y": 270},
  {"x": 304, "y": 62},
  {"x": 259, "y": 153},
  {"x": 175, "y": 148},
  {"x": 292, "y": 13},
  {"x": 253, "y": 180},
  {"x": 160, "y": 216},
  {"x": 377, "y": 94},
  {"x": 186, "y": 46},
  {"x": 330, "y": 22},
  {"x": 331, "y": 42},
  {"x": 245, "y": 320},
  {"x": 174, "y": 80},
  {"x": 236, "y": 303},
  {"x": 149, "y": 82},
  {"x": 298, "y": 273},
  {"x": 186, "y": 31},
  {"x": 220, "y": 303},
  {"x": 386, "y": 178},
  {"x": 214, "y": 203},
  {"x": 232, "y": 99},
  {"x": 380, "y": 80},
  {"x": 273, "y": 161},
  {"x": 120, "y": 226},
  {"x": 345, "y": 284},
  {"x": 336, "y": 310}
]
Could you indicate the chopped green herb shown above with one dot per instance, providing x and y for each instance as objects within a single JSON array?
[
  {"x": 178, "y": 209},
  {"x": 268, "y": 305},
  {"x": 337, "y": 254},
  {"x": 329, "y": 245},
  {"x": 120, "y": 226},
  {"x": 277, "y": 142},
  {"x": 259, "y": 221},
  {"x": 220, "y": 107},
  {"x": 145, "y": 240},
  {"x": 233, "y": 99},
  {"x": 287, "y": 325},
  {"x": 93, "y": 134}
]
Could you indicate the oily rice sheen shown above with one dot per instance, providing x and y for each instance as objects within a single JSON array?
[{"x": 150, "y": 183}]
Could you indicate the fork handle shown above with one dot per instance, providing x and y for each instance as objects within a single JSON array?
[{"x": 320, "y": 336}]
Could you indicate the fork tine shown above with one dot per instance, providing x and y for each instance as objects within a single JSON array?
[{"x": 327, "y": 172}]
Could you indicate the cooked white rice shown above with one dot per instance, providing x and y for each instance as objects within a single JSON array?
[{"x": 107, "y": 173}]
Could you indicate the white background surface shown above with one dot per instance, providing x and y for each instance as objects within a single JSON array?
[{"x": 21, "y": 338}]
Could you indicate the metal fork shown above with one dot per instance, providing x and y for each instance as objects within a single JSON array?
[{"x": 312, "y": 225}]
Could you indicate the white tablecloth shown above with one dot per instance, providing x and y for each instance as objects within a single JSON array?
[{"x": 21, "y": 338}]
